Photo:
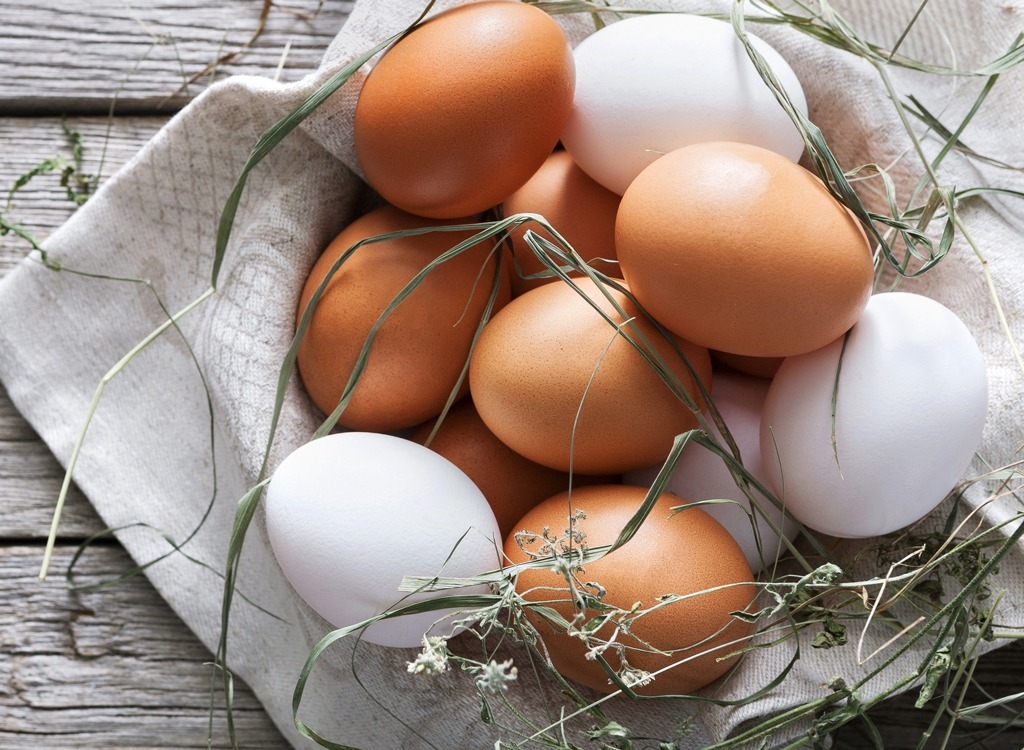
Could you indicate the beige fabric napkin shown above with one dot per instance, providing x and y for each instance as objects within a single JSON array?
[{"x": 148, "y": 453}]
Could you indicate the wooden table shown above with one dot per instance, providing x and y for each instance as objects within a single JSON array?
[{"x": 116, "y": 668}]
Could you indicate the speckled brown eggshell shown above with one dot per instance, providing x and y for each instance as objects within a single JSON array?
[
  {"x": 579, "y": 209},
  {"x": 682, "y": 554},
  {"x": 458, "y": 114},
  {"x": 421, "y": 348},
  {"x": 535, "y": 361},
  {"x": 511, "y": 483},
  {"x": 739, "y": 249}
]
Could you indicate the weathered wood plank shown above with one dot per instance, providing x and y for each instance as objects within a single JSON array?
[
  {"x": 30, "y": 480},
  {"x": 79, "y": 58},
  {"x": 107, "y": 668},
  {"x": 42, "y": 204},
  {"x": 102, "y": 727},
  {"x": 13, "y": 427}
]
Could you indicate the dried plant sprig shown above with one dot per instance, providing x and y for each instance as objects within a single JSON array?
[{"x": 78, "y": 185}]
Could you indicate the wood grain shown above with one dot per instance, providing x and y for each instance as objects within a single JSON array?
[
  {"x": 42, "y": 204},
  {"x": 30, "y": 480},
  {"x": 81, "y": 57},
  {"x": 110, "y": 668}
]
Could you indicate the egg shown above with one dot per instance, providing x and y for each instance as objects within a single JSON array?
[
  {"x": 511, "y": 483},
  {"x": 578, "y": 208},
  {"x": 420, "y": 350},
  {"x": 684, "y": 554},
  {"x": 460, "y": 112},
  {"x": 651, "y": 84},
  {"x": 738, "y": 249},
  {"x": 552, "y": 379},
  {"x": 909, "y": 412},
  {"x": 702, "y": 475},
  {"x": 346, "y": 525}
]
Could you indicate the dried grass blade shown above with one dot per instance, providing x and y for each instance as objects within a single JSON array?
[{"x": 277, "y": 132}]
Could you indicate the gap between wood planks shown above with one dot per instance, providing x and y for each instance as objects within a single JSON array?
[{"x": 151, "y": 57}]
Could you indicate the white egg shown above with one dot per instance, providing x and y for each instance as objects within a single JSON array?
[
  {"x": 702, "y": 475},
  {"x": 651, "y": 84},
  {"x": 349, "y": 515},
  {"x": 910, "y": 408}
]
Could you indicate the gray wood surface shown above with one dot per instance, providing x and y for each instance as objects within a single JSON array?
[
  {"x": 65, "y": 56},
  {"x": 115, "y": 667},
  {"x": 102, "y": 669}
]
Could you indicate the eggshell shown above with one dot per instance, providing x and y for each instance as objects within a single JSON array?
[
  {"x": 910, "y": 408},
  {"x": 349, "y": 515},
  {"x": 578, "y": 208},
  {"x": 548, "y": 352},
  {"x": 651, "y": 84},
  {"x": 511, "y": 483},
  {"x": 682, "y": 554},
  {"x": 459, "y": 113},
  {"x": 420, "y": 350},
  {"x": 702, "y": 475},
  {"x": 739, "y": 249}
]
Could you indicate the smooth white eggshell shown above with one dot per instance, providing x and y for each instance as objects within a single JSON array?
[
  {"x": 650, "y": 84},
  {"x": 350, "y": 514},
  {"x": 701, "y": 475},
  {"x": 911, "y": 406}
]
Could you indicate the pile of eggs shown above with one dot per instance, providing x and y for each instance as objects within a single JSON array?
[{"x": 748, "y": 283}]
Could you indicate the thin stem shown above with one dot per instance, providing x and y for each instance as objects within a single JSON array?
[
  {"x": 97, "y": 395},
  {"x": 951, "y": 211}
]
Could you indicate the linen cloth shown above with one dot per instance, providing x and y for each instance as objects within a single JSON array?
[{"x": 148, "y": 454}]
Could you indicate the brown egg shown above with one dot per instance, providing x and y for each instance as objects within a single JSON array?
[
  {"x": 759, "y": 367},
  {"x": 459, "y": 113},
  {"x": 739, "y": 249},
  {"x": 683, "y": 554},
  {"x": 547, "y": 349},
  {"x": 511, "y": 483},
  {"x": 579, "y": 209},
  {"x": 421, "y": 348}
]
